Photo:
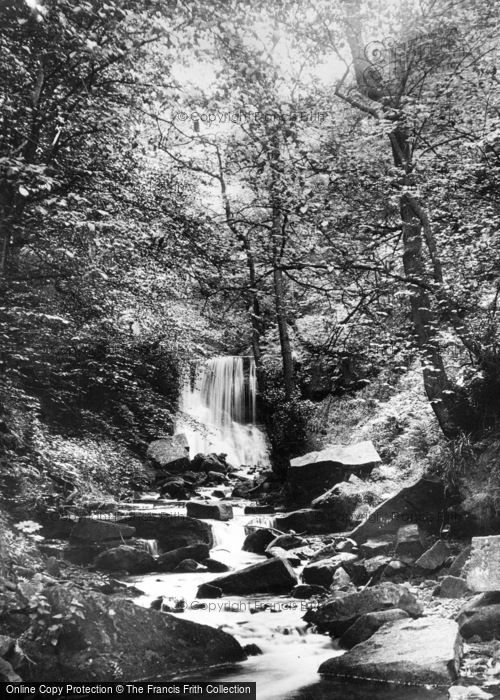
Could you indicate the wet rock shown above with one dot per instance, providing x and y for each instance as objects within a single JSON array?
[
  {"x": 336, "y": 615},
  {"x": 209, "y": 463},
  {"x": 258, "y": 510},
  {"x": 176, "y": 488},
  {"x": 252, "y": 650},
  {"x": 435, "y": 557},
  {"x": 459, "y": 562},
  {"x": 288, "y": 542},
  {"x": 452, "y": 587},
  {"x": 414, "y": 652},
  {"x": 206, "y": 590},
  {"x": 309, "y": 520},
  {"x": 375, "y": 547},
  {"x": 93, "y": 530},
  {"x": 188, "y": 566},
  {"x": 115, "y": 634},
  {"x": 125, "y": 558},
  {"x": 270, "y": 576},
  {"x": 170, "y": 453},
  {"x": 423, "y": 502},
  {"x": 312, "y": 474},
  {"x": 409, "y": 543},
  {"x": 341, "y": 580},
  {"x": 368, "y": 624},
  {"x": 171, "y": 531},
  {"x": 481, "y": 617},
  {"x": 215, "y": 566},
  {"x": 281, "y": 553},
  {"x": 303, "y": 591},
  {"x": 482, "y": 569},
  {"x": 168, "y": 561},
  {"x": 257, "y": 541},
  {"x": 321, "y": 572},
  {"x": 214, "y": 511}
]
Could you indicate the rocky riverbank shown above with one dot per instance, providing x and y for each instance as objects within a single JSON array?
[{"x": 394, "y": 600}]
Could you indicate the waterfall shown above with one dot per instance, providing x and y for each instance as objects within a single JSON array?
[{"x": 218, "y": 411}]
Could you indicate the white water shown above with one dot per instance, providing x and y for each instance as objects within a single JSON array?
[
  {"x": 218, "y": 411},
  {"x": 291, "y": 653}
]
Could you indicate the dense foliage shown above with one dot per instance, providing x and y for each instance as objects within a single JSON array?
[{"x": 314, "y": 183}]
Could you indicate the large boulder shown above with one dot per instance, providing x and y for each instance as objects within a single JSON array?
[
  {"x": 481, "y": 617},
  {"x": 114, "y": 639},
  {"x": 310, "y": 520},
  {"x": 321, "y": 572},
  {"x": 171, "y": 531},
  {"x": 270, "y": 576},
  {"x": 336, "y": 615},
  {"x": 96, "y": 530},
  {"x": 213, "y": 511},
  {"x": 125, "y": 558},
  {"x": 169, "y": 560},
  {"x": 209, "y": 463},
  {"x": 312, "y": 474},
  {"x": 342, "y": 499},
  {"x": 423, "y": 503},
  {"x": 368, "y": 624},
  {"x": 409, "y": 652},
  {"x": 288, "y": 542},
  {"x": 170, "y": 454},
  {"x": 257, "y": 540},
  {"x": 482, "y": 569}
]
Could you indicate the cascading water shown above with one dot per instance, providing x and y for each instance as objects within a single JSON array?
[{"x": 218, "y": 410}]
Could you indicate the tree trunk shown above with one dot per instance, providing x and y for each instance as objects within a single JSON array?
[
  {"x": 437, "y": 386},
  {"x": 279, "y": 296}
]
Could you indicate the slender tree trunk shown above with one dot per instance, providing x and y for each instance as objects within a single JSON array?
[
  {"x": 437, "y": 386},
  {"x": 279, "y": 296}
]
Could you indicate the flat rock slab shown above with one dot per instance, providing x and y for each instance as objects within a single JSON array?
[
  {"x": 314, "y": 473},
  {"x": 336, "y": 615},
  {"x": 170, "y": 453},
  {"x": 366, "y": 625},
  {"x": 411, "y": 652},
  {"x": 213, "y": 511},
  {"x": 309, "y": 520},
  {"x": 95, "y": 530},
  {"x": 270, "y": 576},
  {"x": 171, "y": 531},
  {"x": 482, "y": 570},
  {"x": 434, "y": 557},
  {"x": 422, "y": 503}
]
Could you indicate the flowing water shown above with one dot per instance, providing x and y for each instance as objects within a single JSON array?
[
  {"x": 218, "y": 411},
  {"x": 218, "y": 414},
  {"x": 291, "y": 653}
]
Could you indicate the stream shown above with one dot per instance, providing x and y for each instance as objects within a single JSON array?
[
  {"x": 218, "y": 414},
  {"x": 291, "y": 653}
]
